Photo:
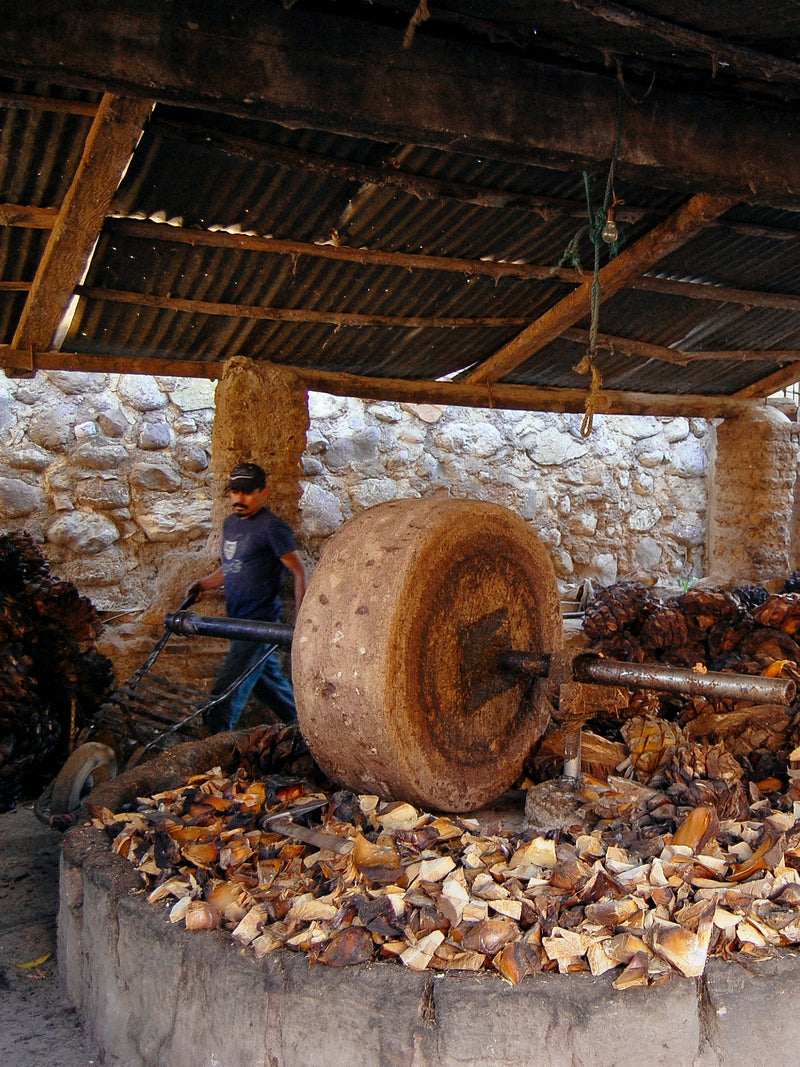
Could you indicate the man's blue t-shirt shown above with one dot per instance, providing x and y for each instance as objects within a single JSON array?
[{"x": 251, "y": 551}]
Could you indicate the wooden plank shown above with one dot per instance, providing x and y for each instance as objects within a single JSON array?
[
  {"x": 161, "y": 231},
  {"x": 12, "y": 359},
  {"x": 279, "y": 314},
  {"x": 35, "y": 218},
  {"x": 391, "y": 176},
  {"x": 748, "y": 62},
  {"x": 109, "y": 146},
  {"x": 459, "y": 394},
  {"x": 318, "y": 69},
  {"x": 781, "y": 379},
  {"x": 723, "y": 294},
  {"x": 627, "y": 346},
  {"x": 633, "y": 261},
  {"x": 64, "y": 106},
  {"x": 517, "y": 397}
]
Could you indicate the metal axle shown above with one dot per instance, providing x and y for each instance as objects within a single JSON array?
[
  {"x": 589, "y": 667},
  {"x": 189, "y": 624},
  {"x": 586, "y": 667}
]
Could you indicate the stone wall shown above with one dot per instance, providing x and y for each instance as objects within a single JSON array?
[
  {"x": 109, "y": 472},
  {"x": 630, "y": 498},
  {"x": 112, "y": 474}
]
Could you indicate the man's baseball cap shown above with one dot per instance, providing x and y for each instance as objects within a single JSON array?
[{"x": 247, "y": 478}]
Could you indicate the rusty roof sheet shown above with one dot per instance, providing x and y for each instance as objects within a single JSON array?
[{"x": 223, "y": 236}]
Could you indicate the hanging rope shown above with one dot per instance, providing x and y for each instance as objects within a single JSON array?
[
  {"x": 596, "y": 399},
  {"x": 419, "y": 16}
]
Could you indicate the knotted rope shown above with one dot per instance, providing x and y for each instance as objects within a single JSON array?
[{"x": 596, "y": 399}]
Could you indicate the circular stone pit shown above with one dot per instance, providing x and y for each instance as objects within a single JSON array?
[{"x": 152, "y": 993}]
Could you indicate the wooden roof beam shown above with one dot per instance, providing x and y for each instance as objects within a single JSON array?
[
  {"x": 33, "y": 218},
  {"x": 699, "y": 290},
  {"x": 746, "y": 62},
  {"x": 284, "y": 314},
  {"x": 112, "y": 138},
  {"x": 460, "y": 394},
  {"x": 773, "y": 383},
  {"x": 63, "y": 105},
  {"x": 161, "y": 231},
  {"x": 392, "y": 177},
  {"x": 166, "y": 232},
  {"x": 625, "y": 346},
  {"x": 327, "y": 72},
  {"x": 644, "y": 350},
  {"x": 630, "y": 263}
]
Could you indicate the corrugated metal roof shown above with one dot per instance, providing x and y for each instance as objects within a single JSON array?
[{"x": 170, "y": 294}]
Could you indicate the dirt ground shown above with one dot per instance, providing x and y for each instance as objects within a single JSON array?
[{"x": 37, "y": 1029}]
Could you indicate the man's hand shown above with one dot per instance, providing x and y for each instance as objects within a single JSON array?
[{"x": 214, "y": 580}]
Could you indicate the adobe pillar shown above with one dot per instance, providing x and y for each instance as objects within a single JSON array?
[{"x": 751, "y": 515}]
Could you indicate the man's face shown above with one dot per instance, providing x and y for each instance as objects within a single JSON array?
[{"x": 247, "y": 504}]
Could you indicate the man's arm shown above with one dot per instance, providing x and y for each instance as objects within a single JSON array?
[
  {"x": 215, "y": 580},
  {"x": 294, "y": 563}
]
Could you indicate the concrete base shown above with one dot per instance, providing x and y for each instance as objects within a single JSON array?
[{"x": 152, "y": 994}]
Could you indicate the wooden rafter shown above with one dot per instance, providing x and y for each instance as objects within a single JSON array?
[
  {"x": 633, "y": 261},
  {"x": 622, "y": 345},
  {"x": 34, "y": 218},
  {"x": 424, "y": 188},
  {"x": 374, "y": 257},
  {"x": 747, "y": 62},
  {"x": 281, "y": 314},
  {"x": 462, "y": 394},
  {"x": 409, "y": 261},
  {"x": 321, "y": 70},
  {"x": 65, "y": 106},
  {"x": 112, "y": 138},
  {"x": 626, "y": 346},
  {"x": 781, "y": 379},
  {"x": 724, "y": 294},
  {"x": 391, "y": 176}
]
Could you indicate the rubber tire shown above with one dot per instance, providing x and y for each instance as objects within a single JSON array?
[
  {"x": 88, "y": 765},
  {"x": 390, "y": 683}
]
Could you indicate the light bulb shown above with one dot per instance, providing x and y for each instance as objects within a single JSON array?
[{"x": 610, "y": 232}]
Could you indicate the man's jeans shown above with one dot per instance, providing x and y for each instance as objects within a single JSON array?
[{"x": 268, "y": 684}]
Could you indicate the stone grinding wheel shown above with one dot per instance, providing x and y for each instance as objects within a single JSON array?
[{"x": 396, "y": 648}]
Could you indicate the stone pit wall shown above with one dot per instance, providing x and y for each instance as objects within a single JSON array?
[{"x": 113, "y": 475}]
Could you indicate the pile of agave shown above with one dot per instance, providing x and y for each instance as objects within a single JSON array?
[
  {"x": 52, "y": 677},
  {"x": 271, "y": 854}
]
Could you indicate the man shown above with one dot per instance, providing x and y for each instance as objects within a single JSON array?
[{"x": 256, "y": 547}]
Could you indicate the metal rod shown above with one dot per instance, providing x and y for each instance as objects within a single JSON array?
[
  {"x": 759, "y": 690},
  {"x": 532, "y": 663},
  {"x": 189, "y": 624},
  {"x": 586, "y": 667}
]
